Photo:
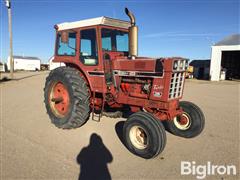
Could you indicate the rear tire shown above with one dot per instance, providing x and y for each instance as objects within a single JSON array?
[
  {"x": 144, "y": 135},
  {"x": 65, "y": 88},
  {"x": 194, "y": 121}
]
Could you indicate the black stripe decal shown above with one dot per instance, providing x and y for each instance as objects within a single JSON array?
[
  {"x": 95, "y": 73},
  {"x": 149, "y": 74}
]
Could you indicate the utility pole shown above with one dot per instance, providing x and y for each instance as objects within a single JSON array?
[{"x": 8, "y": 5}]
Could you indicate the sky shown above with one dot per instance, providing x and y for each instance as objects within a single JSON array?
[{"x": 186, "y": 28}]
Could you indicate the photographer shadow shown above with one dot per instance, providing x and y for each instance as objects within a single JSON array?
[{"x": 93, "y": 160}]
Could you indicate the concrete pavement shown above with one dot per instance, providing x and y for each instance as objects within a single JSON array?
[{"x": 33, "y": 148}]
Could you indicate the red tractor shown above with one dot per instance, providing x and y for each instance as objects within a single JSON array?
[{"x": 104, "y": 75}]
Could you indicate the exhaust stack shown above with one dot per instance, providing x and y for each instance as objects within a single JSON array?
[{"x": 133, "y": 35}]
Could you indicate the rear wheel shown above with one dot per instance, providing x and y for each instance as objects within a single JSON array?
[
  {"x": 189, "y": 124},
  {"x": 144, "y": 135},
  {"x": 66, "y": 98}
]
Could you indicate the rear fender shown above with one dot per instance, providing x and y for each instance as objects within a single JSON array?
[{"x": 81, "y": 73}]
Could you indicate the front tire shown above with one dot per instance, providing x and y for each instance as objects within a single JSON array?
[
  {"x": 66, "y": 98},
  {"x": 190, "y": 124},
  {"x": 144, "y": 135}
]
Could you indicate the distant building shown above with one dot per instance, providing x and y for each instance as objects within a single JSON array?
[
  {"x": 2, "y": 67},
  {"x": 44, "y": 67},
  {"x": 201, "y": 68},
  {"x": 54, "y": 65},
  {"x": 226, "y": 58},
  {"x": 25, "y": 63}
]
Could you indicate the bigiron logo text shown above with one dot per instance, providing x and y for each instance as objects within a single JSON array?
[{"x": 208, "y": 169}]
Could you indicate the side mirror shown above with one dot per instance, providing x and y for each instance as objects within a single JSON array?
[{"x": 64, "y": 37}]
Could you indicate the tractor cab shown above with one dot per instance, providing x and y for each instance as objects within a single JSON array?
[
  {"x": 92, "y": 38},
  {"x": 90, "y": 44}
]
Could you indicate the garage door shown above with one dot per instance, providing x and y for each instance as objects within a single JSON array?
[{"x": 231, "y": 62}]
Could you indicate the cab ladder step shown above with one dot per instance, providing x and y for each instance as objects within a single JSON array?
[{"x": 98, "y": 116}]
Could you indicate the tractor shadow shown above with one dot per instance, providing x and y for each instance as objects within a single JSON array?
[
  {"x": 126, "y": 112},
  {"x": 93, "y": 160},
  {"x": 119, "y": 131}
]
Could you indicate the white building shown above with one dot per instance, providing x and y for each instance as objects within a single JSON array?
[
  {"x": 226, "y": 56},
  {"x": 25, "y": 63},
  {"x": 53, "y": 65},
  {"x": 2, "y": 67}
]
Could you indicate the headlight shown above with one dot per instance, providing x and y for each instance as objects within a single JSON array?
[
  {"x": 181, "y": 65},
  {"x": 175, "y": 65},
  {"x": 186, "y": 64}
]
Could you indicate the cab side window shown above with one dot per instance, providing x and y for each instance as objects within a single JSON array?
[{"x": 88, "y": 47}]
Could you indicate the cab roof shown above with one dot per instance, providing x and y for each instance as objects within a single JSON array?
[{"x": 94, "y": 21}]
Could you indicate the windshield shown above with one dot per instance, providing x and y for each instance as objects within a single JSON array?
[{"x": 114, "y": 40}]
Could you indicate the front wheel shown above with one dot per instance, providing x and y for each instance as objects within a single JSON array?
[
  {"x": 144, "y": 135},
  {"x": 189, "y": 124}
]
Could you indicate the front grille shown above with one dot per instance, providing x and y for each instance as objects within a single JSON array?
[{"x": 176, "y": 85}]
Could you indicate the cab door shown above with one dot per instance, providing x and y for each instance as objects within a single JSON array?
[{"x": 89, "y": 58}]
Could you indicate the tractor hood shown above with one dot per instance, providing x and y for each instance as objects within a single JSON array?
[
  {"x": 139, "y": 64},
  {"x": 150, "y": 65}
]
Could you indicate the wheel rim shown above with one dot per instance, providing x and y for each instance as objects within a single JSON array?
[
  {"x": 59, "y": 99},
  {"x": 138, "y": 137},
  {"x": 182, "y": 122}
]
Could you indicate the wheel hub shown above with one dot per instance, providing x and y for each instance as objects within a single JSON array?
[
  {"x": 59, "y": 99},
  {"x": 182, "y": 122},
  {"x": 138, "y": 137}
]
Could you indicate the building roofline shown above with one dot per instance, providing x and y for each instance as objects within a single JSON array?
[
  {"x": 231, "y": 40},
  {"x": 26, "y": 57}
]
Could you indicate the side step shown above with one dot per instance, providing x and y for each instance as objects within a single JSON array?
[{"x": 98, "y": 116}]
